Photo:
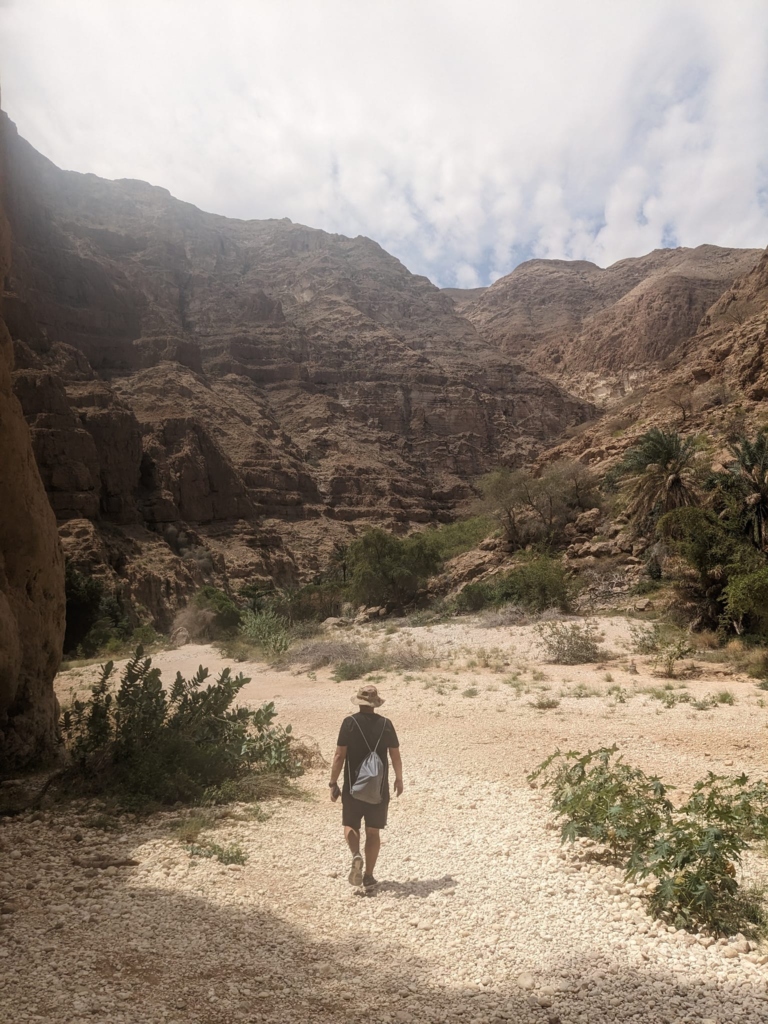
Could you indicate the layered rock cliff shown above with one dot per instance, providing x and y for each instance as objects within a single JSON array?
[
  {"x": 31, "y": 570},
  {"x": 579, "y": 322},
  {"x": 261, "y": 386}
]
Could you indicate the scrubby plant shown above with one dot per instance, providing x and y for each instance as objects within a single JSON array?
[
  {"x": 570, "y": 643},
  {"x": 312, "y": 602},
  {"x": 451, "y": 539},
  {"x": 94, "y": 614},
  {"x": 544, "y": 703},
  {"x": 646, "y": 639},
  {"x": 267, "y": 630},
  {"x": 534, "y": 586},
  {"x": 146, "y": 743},
  {"x": 226, "y": 614},
  {"x": 532, "y": 509},
  {"x": 692, "y": 851},
  {"x": 231, "y": 854},
  {"x": 670, "y": 652},
  {"x": 600, "y": 797}
]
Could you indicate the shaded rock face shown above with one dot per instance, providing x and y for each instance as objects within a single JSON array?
[
  {"x": 247, "y": 380},
  {"x": 574, "y": 317},
  {"x": 31, "y": 572}
]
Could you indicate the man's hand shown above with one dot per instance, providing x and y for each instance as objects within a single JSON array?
[
  {"x": 398, "y": 787},
  {"x": 335, "y": 792}
]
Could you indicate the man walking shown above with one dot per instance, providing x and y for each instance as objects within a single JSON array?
[{"x": 360, "y": 736}]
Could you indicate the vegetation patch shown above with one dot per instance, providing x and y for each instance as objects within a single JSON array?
[
  {"x": 691, "y": 851},
  {"x": 148, "y": 744},
  {"x": 570, "y": 643}
]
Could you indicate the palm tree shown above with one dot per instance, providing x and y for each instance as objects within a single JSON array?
[
  {"x": 664, "y": 471},
  {"x": 751, "y": 469}
]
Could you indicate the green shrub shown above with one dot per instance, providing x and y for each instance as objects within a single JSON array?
[
  {"x": 535, "y": 586},
  {"x": 471, "y": 691},
  {"x": 356, "y": 668},
  {"x": 543, "y": 703},
  {"x": 691, "y": 851},
  {"x": 267, "y": 629},
  {"x": 454, "y": 539},
  {"x": 570, "y": 643},
  {"x": 385, "y": 570},
  {"x": 313, "y": 602},
  {"x": 145, "y": 743},
  {"x": 646, "y": 639},
  {"x": 670, "y": 652},
  {"x": 745, "y": 600},
  {"x": 94, "y": 615},
  {"x": 226, "y": 614},
  {"x": 231, "y": 854},
  {"x": 599, "y": 797}
]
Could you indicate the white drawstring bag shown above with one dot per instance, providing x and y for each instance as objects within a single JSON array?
[{"x": 369, "y": 784}]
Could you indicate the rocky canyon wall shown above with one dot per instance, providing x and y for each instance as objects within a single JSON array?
[
  {"x": 31, "y": 568},
  {"x": 260, "y": 387}
]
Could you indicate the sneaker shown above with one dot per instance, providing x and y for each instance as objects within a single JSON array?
[
  {"x": 356, "y": 871},
  {"x": 369, "y": 882}
]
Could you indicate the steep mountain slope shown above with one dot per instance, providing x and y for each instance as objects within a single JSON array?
[
  {"x": 574, "y": 317},
  {"x": 180, "y": 369},
  {"x": 31, "y": 576}
]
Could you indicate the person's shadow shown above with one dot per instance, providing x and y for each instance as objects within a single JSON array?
[{"x": 421, "y": 888}]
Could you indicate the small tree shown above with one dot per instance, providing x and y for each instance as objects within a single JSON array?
[
  {"x": 751, "y": 470},
  {"x": 389, "y": 570},
  {"x": 664, "y": 471}
]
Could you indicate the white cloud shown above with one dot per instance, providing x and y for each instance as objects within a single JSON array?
[{"x": 463, "y": 138}]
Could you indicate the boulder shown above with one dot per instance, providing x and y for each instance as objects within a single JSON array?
[
  {"x": 587, "y": 522},
  {"x": 180, "y": 637}
]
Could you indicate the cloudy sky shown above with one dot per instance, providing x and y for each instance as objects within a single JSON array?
[{"x": 464, "y": 137}]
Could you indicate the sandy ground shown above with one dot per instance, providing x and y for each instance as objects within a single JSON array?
[{"x": 479, "y": 916}]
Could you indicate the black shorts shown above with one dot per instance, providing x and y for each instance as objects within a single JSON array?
[{"x": 354, "y": 810}]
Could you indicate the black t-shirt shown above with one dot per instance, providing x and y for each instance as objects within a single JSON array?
[{"x": 375, "y": 730}]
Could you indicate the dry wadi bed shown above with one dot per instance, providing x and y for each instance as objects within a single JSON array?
[{"x": 480, "y": 915}]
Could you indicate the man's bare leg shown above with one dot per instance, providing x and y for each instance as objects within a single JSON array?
[
  {"x": 353, "y": 842},
  {"x": 372, "y": 847}
]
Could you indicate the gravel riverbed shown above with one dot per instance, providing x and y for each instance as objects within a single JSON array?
[{"x": 480, "y": 916}]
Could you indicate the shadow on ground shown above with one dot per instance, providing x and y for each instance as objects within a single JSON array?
[{"x": 185, "y": 957}]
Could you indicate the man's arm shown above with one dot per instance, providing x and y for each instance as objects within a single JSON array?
[
  {"x": 336, "y": 766},
  {"x": 397, "y": 764}
]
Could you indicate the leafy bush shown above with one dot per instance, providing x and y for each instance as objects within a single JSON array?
[
  {"x": 533, "y": 509},
  {"x": 670, "y": 652},
  {"x": 604, "y": 799},
  {"x": 535, "y": 586},
  {"x": 226, "y": 614},
  {"x": 453, "y": 539},
  {"x": 717, "y": 553},
  {"x": 356, "y": 669},
  {"x": 646, "y": 639},
  {"x": 387, "y": 570},
  {"x": 267, "y": 629},
  {"x": 311, "y": 603},
  {"x": 94, "y": 615},
  {"x": 570, "y": 643},
  {"x": 146, "y": 743},
  {"x": 746, "y": 598},
  {"x": 691, "y": 851}
]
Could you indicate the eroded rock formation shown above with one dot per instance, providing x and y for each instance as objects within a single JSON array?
[
  {"x": 31, "y": 571},
  {"x": 263, "y": 386}
]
